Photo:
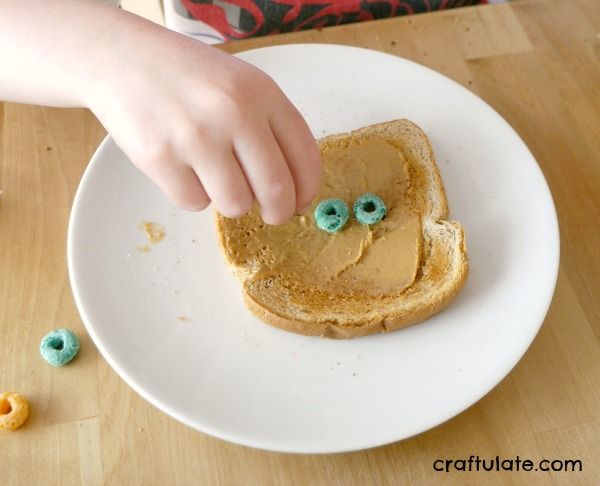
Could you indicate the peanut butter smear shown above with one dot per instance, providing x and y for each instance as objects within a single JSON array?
[{"x": 380, "y": 259}]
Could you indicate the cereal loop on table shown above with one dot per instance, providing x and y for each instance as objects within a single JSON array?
[
  {"x": 14, "y": 410},
  {"x": 59, "y": 347}
]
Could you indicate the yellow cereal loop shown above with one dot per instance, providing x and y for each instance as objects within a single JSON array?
[{"x": 14, "y": 410}]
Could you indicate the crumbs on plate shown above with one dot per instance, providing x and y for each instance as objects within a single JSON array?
[{"x": 154, "y": 232}]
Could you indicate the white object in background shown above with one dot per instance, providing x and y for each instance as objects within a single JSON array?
[
  {"x": 177, "y": 19},
  {"x": 149, "y": 9}
]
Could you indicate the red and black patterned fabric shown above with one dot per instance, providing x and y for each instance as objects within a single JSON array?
[{"x": 264, "y": 17}]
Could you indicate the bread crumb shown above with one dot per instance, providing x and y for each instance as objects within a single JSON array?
[
  {"x": 154, "y": 231},
  {"x": 143, "y": 248},
  {"x": 183, "y": 318}
]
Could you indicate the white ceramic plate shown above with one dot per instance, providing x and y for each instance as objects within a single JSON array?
[{"x": 227, "y": 374}]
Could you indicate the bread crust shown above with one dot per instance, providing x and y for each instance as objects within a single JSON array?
[{"x": 442, "y": 273}]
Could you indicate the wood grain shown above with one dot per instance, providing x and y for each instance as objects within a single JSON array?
[{"x": 538, "y": 63}]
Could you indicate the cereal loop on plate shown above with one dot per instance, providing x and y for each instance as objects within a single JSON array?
[
  {"x": 369, "y": 208},
  {"x": 331, "y": 215}
]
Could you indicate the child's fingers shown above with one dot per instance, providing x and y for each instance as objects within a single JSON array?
[
  {"x": 224, "y": 181},
  {"x": 181, "y": 184},
  {"x": 301, "y": 153},
  {"x": 268, "y": 174}
]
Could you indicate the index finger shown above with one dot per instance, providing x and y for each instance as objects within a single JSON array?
[
  {"x": 267, "y": 172},
  {"x": 300, "y": 151}
]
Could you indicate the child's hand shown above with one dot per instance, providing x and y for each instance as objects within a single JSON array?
[
  {"x": 204, "y": 126},
  {"x": 201, "y": 124}
]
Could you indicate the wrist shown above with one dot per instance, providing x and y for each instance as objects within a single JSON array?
[{"x": 102, "y": 54}]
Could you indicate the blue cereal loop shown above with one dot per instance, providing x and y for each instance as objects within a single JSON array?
[
  {"x": 59, "y": 347},
  {"x": 331, "y": 215},
  {"x": 369, "y": 208}
]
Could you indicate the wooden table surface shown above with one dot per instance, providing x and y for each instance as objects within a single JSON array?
[{"x": 538, "y": 63}]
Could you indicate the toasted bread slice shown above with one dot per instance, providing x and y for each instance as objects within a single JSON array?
[{"x": 363, "y": 280}]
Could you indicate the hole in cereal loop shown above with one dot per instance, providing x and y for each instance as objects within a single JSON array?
[
  {"x": 5, "y": 407},
  {"x": 57, "y": 344},
  {"x": 369, "y": 207}
]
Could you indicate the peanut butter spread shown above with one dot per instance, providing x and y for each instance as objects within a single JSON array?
[{"x": 380, "y": 259}]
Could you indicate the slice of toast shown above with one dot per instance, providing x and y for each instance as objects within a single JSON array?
[{"x": 364, "y": 279}]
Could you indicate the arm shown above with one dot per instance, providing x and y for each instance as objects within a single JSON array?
[{"x": 203, "y": 125}]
